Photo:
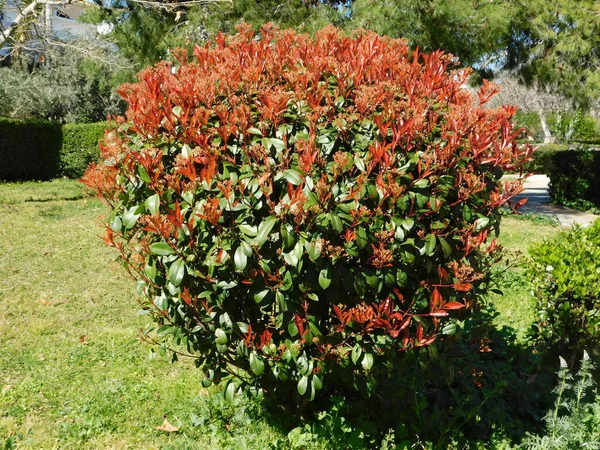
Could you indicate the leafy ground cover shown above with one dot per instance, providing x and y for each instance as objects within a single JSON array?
[{"x": 72, "y": 370}]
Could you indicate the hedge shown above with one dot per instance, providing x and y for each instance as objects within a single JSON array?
[
  {"x": 29, "y": 149},
  {"x": 542, "y": 157},
  {"x": 32, "y": 149},
  {"x": 79, "y": 147},
  {"x": 574, "y": 179}
]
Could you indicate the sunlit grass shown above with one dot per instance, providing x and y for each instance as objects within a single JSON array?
[
  {"x": 517, "y": 305},
  {"x": 72, "y": 370}
]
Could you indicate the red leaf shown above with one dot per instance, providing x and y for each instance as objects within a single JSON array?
[
  {"x": 405, "y": 322},
  {"x": 520, "y": 203},
  {"x": 438, "y": 313},
  {"x": 399, "y": 294},
  {"x": 443, "y": 273},
  {"x": 338, "y": 313},
  {"x": 436, "y": 297},
  {"x": 463, "y": 287},
  {"x": 427, "y": 341},
  {"x": 299, "y": 325},
  {"x": 453, "y": 306}
]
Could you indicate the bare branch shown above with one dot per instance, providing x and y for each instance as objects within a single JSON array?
[
  {"x": 90, "y": 53},
  {"x": 177, "y": 4},
  {"x": 24, "y": 13}
]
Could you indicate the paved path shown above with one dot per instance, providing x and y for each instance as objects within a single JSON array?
[{"x": 536, "y": 189}]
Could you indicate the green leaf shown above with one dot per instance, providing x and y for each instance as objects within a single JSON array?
[
  {"x": 281, "y": 301},
  {"x": 153, "y": 204},
  {"x": 243, "y": 326},
  {"x": 360, "y": 164},
  {"x": 291, "y": 259},
  {"x": 229, "y": 391},
  {"x": 446, "y": 249},
  {"x": 143, "y": 174},
  {"x": 481, "y": 223},
  {"x": 246, "y": 248},
  {"x": 367, "y": 361},
  {"x": 264, "y": 229},
  {"x": 356, "y": 353},
  {"x": 256, "y": 364},
  {"x": 303, "y": 385},
  {"x": 248, "y": 230},
  {"x": 313, "y": 250},
  {"x": 277, "y": 143},
  {"x": 450, "y": 329},
  {"x": 293, "y": 176},
  {"x": 408, "y": 223},
  {"x": 130, "y": 217},
  {"x": 240, "y": 259},
  {"x": 361, "y": 237},
  {"x": 325, "y": 278},
  {"x": 336, "y": 223},
  {"x": 254, "y": 131},
  {"x": 260, "y": 296},
  {"x": 422, "y": 183},
  {"x": 161, "y": 248},
  {"x": 401, "y": 278},
  {"x": 186, "y": 151},
  {"x": 176, "y": 272},
  {"x": 317, "y": 383},
  {"x": 430, "y": 241},
  {"x": 150, "y": 271},
  {"x": 221, "y": 337},
  {"x": 116, "y": 224},
  {"x": 288, "y": 238}
]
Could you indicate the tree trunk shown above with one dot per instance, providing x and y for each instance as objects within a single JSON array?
[
  {"x": 548, "y": 138},
  {"x": 48, "y": 19}
]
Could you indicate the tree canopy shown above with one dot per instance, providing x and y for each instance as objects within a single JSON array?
[{"x": 550, "y": 45}]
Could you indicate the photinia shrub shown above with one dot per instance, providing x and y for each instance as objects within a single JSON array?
[{"x": 300, "y": 211}]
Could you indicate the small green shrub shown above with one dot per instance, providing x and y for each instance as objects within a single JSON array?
[
  {"x": 29, "y": 149},
  {"x": 587, "y": 131},
  {"x": 301, "y": 212},
  {"x": 574, "y": 179},
  {"x": 79, "y": 147},
  {"x": 565, "y": 274},
  {"x": 574, "y": 422}
]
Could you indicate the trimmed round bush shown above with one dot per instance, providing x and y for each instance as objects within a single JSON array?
[{"x": 301, "y": 211}]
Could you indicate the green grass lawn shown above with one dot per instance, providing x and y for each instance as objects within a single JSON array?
[
  {"x": 72, "y": 369},
  {"x": 516, "y": 305}
]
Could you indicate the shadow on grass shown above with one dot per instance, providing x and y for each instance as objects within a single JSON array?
[
  {"x": 482, "y": 387},
  {"x": 55, "y": 198}
]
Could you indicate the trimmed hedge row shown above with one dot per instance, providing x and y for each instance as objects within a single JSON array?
[
  {"x": 542, "y": 158},
  {"x": 79, "y": 147},
  {"x": 574, "y": 178},
  {"x": 40, "y": 150},
  {"x": 29, "y": 149}
]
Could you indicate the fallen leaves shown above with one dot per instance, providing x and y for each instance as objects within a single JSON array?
[{"x": 167, "y": 427}]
